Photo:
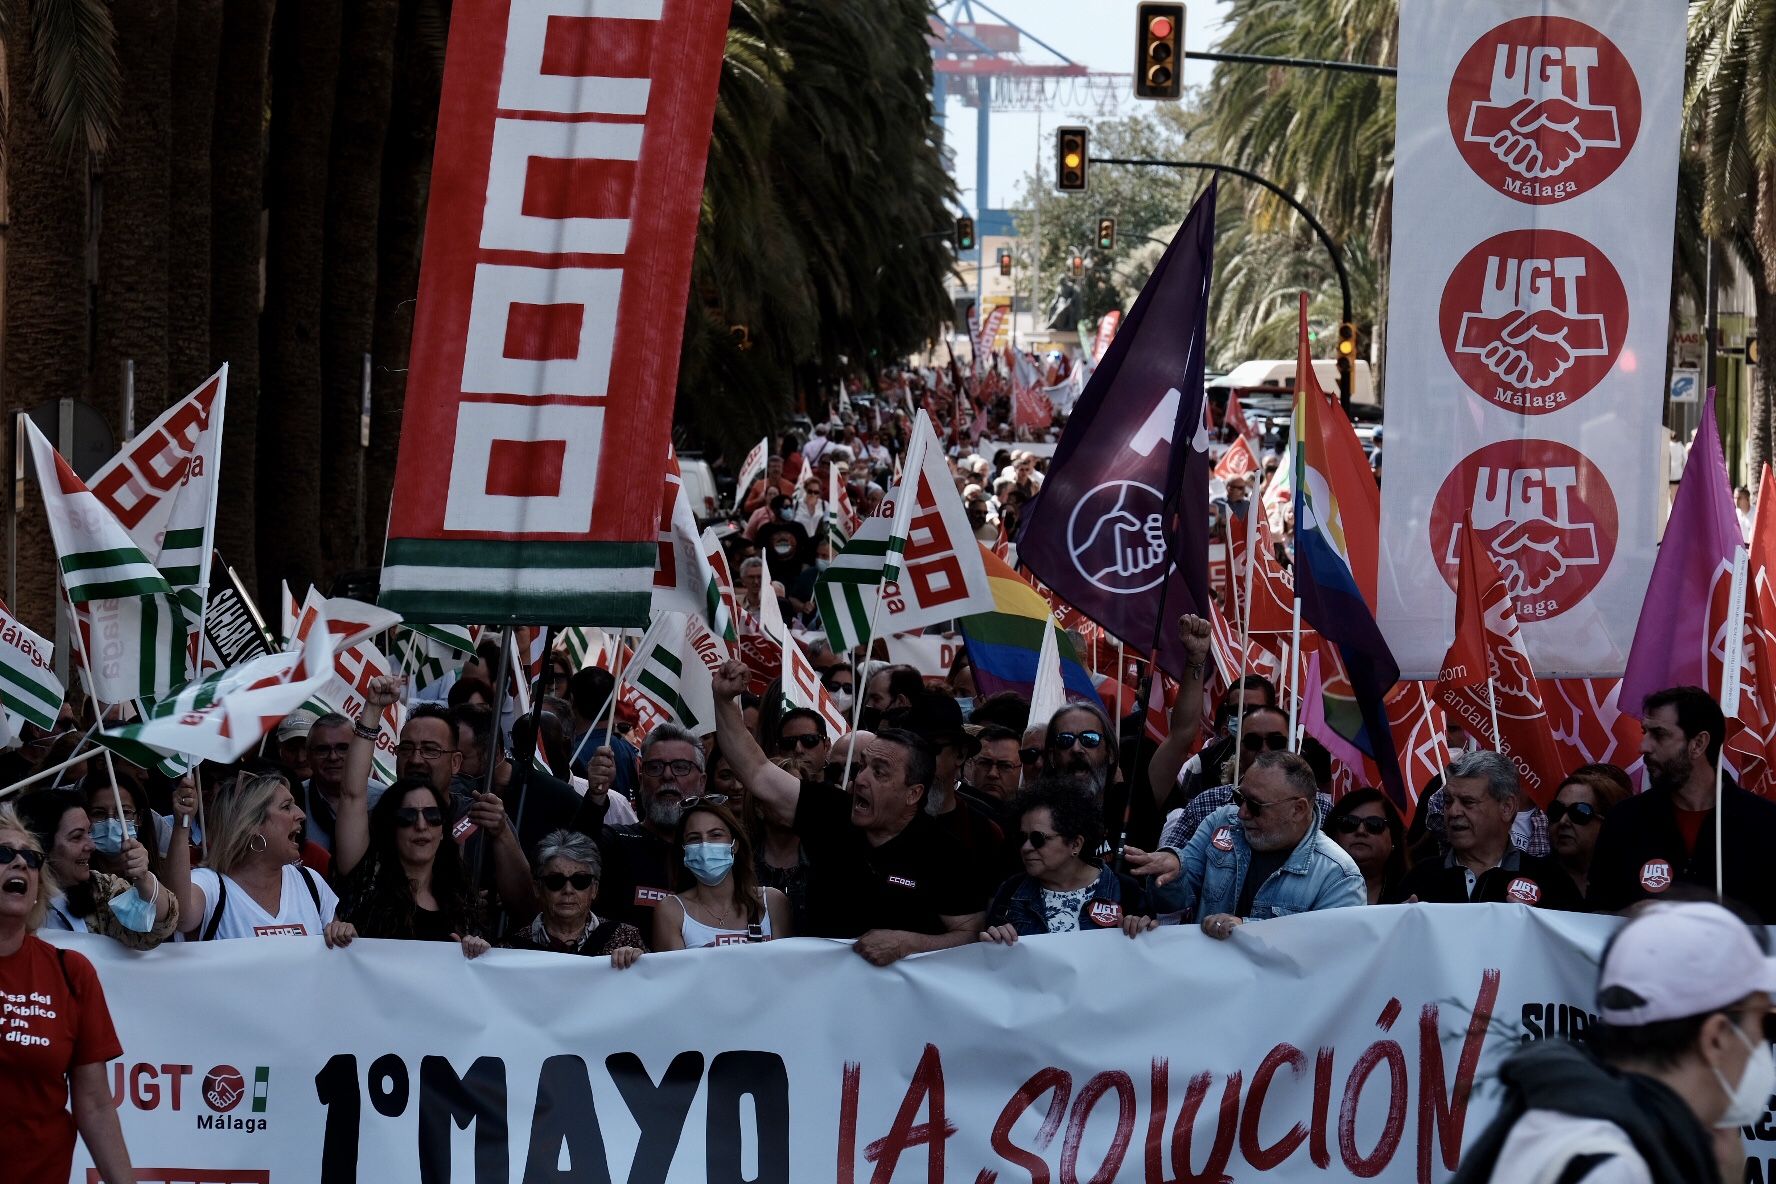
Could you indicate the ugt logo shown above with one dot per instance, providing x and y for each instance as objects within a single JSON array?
[
  {"x": 1544, "y": 108},
  {"x": 1532, "y": 320},
  {"x": 1545, "y": 512}
]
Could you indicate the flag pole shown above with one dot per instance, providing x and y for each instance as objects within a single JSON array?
[
  {"x": 79, "y": 754},
  {"x": 1732, "y": 676},
  {"x": 98, "y": 704},
  {"x": 1440, "y": 742},
  {"x": 1245, "y": 620},
  {"x": 1295, "y": 675},
  {"x": 610, "y": 729},
  {"x": 1492, "y": 702},
  {"x": 499, "y": 710},
  {"x": 869, "y": 640}
]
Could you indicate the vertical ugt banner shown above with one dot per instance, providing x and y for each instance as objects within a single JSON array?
[
  {"x": 565, "y": 192},
  {"x": 1533, "y": 206}
]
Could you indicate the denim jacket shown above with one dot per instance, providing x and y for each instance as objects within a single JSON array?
[
  {"x": 1317, "y": 875},
  {"x": 1019, "y": 903}
]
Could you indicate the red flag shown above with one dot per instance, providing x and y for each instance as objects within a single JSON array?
[
  {"x": 1589, "y": 724},
  {"x": 1487, "y": 660},
  {"x": 1752, "y": 751},
  {"x": 1238, "y": 461},
  {"x": 1417, "y": 727},
  {"x": 1273, "y": 587},
  {"x": 1236, "y": 418},
  {"x": 1107, "y": 325},
  {"x": 1030, "y": 408}
]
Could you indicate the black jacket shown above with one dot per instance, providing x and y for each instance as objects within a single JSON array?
[
  {"x": 1640, "y": 852},
  {"x": 1520, "y": 878},
  {"x": 1564, "y": 1077}
]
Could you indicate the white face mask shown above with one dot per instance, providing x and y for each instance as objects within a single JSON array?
[{"x": 1746, "y": 1101}]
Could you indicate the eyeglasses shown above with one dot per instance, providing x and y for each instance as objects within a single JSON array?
[
  {"x": 33, "y": 859},
  {"x": 328, "y": 749},
  {"x": 983, "y": 764},
  {"x": 810, "y": 741},
  {"x": 556, "y": 881},
  {"x": 705, "y": 799},
  {"x": 427, "y": 751},
  {"x": 408, "y": 816},
  {"x": 676, "y": 768},
  {"x": 1583, "y": 813},
  {"x": 1066, "y": 740},
  {"x": 1348, "y": 824},
  {"x": 1029, "y": 756},
  {"x": 1259, "y": 741},
  {"x": 1035, "y": 838},
  {"x": 1254, "y": 806}
]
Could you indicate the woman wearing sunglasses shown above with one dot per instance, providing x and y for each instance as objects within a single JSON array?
[
  {"x": 53, "y": 1083},
  {"x": 1575, "y": 816},
  {"x": 402, "y": 872},
  {"x": 719, "y": 901},
  {"x": 1062, "y": 888},
  {"x": 1371, "y": 832},
  {"x": 566, "y": 868}
]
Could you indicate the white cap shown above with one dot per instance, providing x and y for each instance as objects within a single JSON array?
[
  {"x": 1681, "y": 960},
  {"x": 296, "y": 725}
]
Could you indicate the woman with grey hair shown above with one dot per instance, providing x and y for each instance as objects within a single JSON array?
[{"x": 567, "y": 868}]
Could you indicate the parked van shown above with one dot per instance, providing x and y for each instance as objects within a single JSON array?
[{"x": 1281, "y": 373}]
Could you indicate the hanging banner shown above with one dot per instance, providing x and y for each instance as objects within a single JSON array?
[
  {"x": 571, "y": 143},
  {"x": 1382, "y": 1065},
  {"x": 1536, "y": 178}
]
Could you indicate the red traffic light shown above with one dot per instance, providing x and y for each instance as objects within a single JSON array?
[{"x": 1160, "y": 27}]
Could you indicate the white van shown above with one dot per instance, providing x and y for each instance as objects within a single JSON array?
[{"x": 1281, "y": 373}]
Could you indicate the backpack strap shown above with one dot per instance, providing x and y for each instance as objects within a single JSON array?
[
  {"x": 209, "y": 931},
  {"x": 314, "y": 893}
]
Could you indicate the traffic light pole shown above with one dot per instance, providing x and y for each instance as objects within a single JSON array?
[{"x": 1344, "y": 283}]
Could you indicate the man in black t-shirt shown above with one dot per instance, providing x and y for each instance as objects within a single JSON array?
[{"x": 881, "y": 870}]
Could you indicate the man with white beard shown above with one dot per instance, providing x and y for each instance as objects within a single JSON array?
[{"x": 638, "y": 858}]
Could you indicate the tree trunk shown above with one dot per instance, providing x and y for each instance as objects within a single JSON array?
[
  {"x": 45, "y": 355},
  {"x": 406, "y": 181},
  {"x": 305, "y": 73},
  {"x": 133, "y": 213},
  {"x": 354, "y": 184},
  {"x": 237, "y": 248},
  {"x": 197, "y": 43}
]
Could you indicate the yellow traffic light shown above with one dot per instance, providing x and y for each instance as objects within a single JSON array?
[
  {"x": 1347, "y": 341},
  {"x": 1072, "y": 158}
]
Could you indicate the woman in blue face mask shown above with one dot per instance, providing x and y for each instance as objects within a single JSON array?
[
  {"x": 113, "y": 834},
  {"x": 136, "y": 911},
  {"x": 719, "y": 902}
]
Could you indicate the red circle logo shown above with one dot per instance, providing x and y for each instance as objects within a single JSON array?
[
  {"x": 1532, "y": 320},
  {"x": 1222, "y": 839},
  {"x": 1544, "y": 511},
  {"x": 1544, "y": 108},
  {"x": 1523, "y": 891},
  {"x": 223, "y": 1088},
  {"x": 1655, "y": 875}
]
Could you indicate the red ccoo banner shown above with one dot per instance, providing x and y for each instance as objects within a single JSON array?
[{"x": 565, "y": 191}]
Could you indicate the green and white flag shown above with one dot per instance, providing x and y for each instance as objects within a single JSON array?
[
  {"x": 683, "y": 579},
  {"x": 584, "y": 646},
  {"x": 674, "y": 669},
  {"x": 429, "y": 652},
  {"x": 862, "y": 593},
  {"x": 29, "y": 689},
  {"x": 96, "y": 556}
]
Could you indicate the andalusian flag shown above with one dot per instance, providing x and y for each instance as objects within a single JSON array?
[
  {"x": 683, "y": 579},
  {"x": 672, "y": 668},
  {"x": 29, "y": 690},
  {"x": 428, "y": 652}
]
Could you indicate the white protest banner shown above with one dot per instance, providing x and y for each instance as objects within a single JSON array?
[
  {"x": 1360, "y": 1043},
  {"x": 565, "y": 193},
  {"x": 1533, "y": 210},
  {"x": 931, "y": 654}
]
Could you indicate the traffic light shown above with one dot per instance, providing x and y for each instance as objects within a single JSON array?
[
  {"x": 1078, "y": 266},
  {"x": 1159, "y": 51},
  {"x": 1106, "y": 234},
  {"x": 965, "y": 233},
  {"x": 1071, "y": 159},
  {"x": 1347, "y": 356},
  {"x": 1004, "y": 262}
]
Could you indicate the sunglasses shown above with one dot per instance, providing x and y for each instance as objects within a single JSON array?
[
  {"x": 1583, "y": 813},
  {"x": 556, "y": 881},
  {"x": 1035, "y": 838},
  {"x": 1066, "y": 740},
  {"x": 1255, "y": 807},
  {"x": 33, "y": 859},
  {"x": 408, "y": 816},
  {"x": 1259, "y": 741},
  {"x": 1349, "y": 824},
  {"x": 704, "y": 799},
  {"x": 1029, "y": 756},
  {"x": 836, "y": 684},
  {"x": 661, "y": 768},
  {"x": 809, "y": 742}
]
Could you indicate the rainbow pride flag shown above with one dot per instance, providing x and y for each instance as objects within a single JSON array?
[{"x": 1003, "y": 645}]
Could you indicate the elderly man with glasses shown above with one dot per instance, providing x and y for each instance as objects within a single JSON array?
[
  {"x": 638, "y": 857},
  {"x": 1263, "y": 855}
]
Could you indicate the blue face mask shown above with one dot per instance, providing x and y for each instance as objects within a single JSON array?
[
  {"x": 966, "y": 703},
  {"x": 709, "y": 862},
  {"x": 108, "y": 835},
  {"x": 132, "y": 912}
]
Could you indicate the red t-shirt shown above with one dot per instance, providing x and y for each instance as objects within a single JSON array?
[
  {"x": 1689, "y": 822},
  {"x": 52, "y": 1018}
]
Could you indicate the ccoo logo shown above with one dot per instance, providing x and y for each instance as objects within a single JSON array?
[
  {"x": 1532, "y": 320},
  {"x": 1544, "y": 109},
  {"x": 1545, "y": 512}
]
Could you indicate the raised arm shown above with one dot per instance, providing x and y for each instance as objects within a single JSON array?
[
  {"x": 176, "y": 868},
  {"x": 1180, "y": 741},
  {"x": 351, "y": 829},
  {"x": 777, "y": 789}
]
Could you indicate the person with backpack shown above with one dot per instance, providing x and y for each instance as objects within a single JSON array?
[{"x": 253, "y": 883}]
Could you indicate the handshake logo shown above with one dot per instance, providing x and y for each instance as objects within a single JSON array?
[
  {"x": 1117, "y": 536},
  {"x": 1544, "y": 109},
  {"x": 1533, "y": 320}
]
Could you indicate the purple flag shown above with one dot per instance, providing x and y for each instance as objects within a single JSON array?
[
  {"x": 1120, "y": 529},
  {"x": 1680, "y": 640}
]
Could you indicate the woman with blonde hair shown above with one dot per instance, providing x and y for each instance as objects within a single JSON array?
[
  {"x": 254, "y": 884},
  {"x": 53, "y": 1084}
]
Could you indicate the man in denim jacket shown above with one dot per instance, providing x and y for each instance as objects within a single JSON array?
[{"x": 1263, "y": 856}]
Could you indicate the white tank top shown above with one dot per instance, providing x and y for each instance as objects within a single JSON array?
[{"x": 697, "y": 935}]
